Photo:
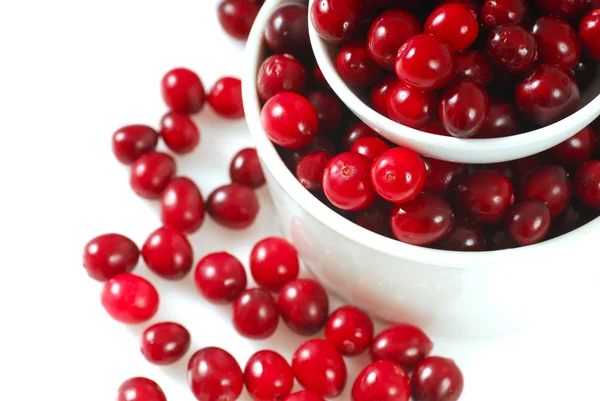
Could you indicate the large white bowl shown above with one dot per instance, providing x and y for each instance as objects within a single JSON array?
[
  {"x": 480, "y": 151},
  {"x": 450, "y": 294}
]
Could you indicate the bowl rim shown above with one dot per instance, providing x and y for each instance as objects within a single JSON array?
[{"x": 350, "y": 230}]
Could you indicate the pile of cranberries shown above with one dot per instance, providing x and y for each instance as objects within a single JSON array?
[{"x": 448, "y": 74}]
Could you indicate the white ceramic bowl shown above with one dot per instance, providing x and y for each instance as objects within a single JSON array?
[
  {"x": 449, "y": 294},
  {"x": 479, "y": 151}
]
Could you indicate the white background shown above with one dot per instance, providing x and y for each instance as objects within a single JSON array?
[{"x": 71, "y": 72}]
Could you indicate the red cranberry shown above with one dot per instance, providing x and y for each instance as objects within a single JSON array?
[
  {"x": 165, "y": 343},
  {"x": 512, "y": 48},
  {"x": 350, "y": 330},
  {"x": 585, "y": 71},
  {"x": 319, "y": 144},
  {"x": 245, "y": 169},
  {"x": 268, "y": 376},
  {"x": 437, "y": 379},
  {"x": 182, "y": 206},
  {"x": 577, "y": 149},
  {"x": 557, "y": 42},
  {"x": 504, "y": 12},
  {"x": 410, "y": 106},
  {"x": 220, "y": 277},
  {"x": 465, "y": 236},
  {"x": 225, "y": 98},
  {"x": 346, "y": 181},
  {"x": 304, "y": 305},
  {"x": 319, "y": 367},
  {"x": 304, "y": 395},
  {"x": 140, "y": 389},
  {"x": 405, "y": 345},
  {"x": 237, "y": 16},
  {"x": 388, "y": 32},
  {"x": 549, "y": 184},
  {"x": 310, "y": 170},
  {"x": 528, "y": 222},
  {"x": 273, "y": 263},
  {"x": 233, "y": 206},
  {"x": 168, "y": 253},
  {"x": 182, "y": 91},
  {"x": 485, "y": 196},
  {"x": 375, "y": 218},
  {"x": 289, "y": 120},
  {"x": 287, "y": 30},
  {"x": 473, "y": 65},
  {"x": 586, "y": 183},
  {"x": 335, "y": 20},
  {"x": 502, "y": 120},
  {"x": 179, "y": 132},
  {"x": 435, "y": 127},
  {"x": 381, "y": 381},
  {"x": 381, "y": 91},
  {"x": 454, "y": 24},
  {"x": 398, "y": 175},
  {"x": 151, "y": 173},
  {"x": 356, "y": 132},
  {"x": 442, "y": 176},
  {"x": 425, "y": 63},
  {"x": 129, "y": 298},
  {"x": 215, "y": 375},
  {"x": 463, "y": 108},
  {"x": 589, "y": 31},
  {"x": 329, "y": 111},
  {"x": 279, "y": 73},
  {"x": 355, "y": 66},
  {"x": 107, "y": 255},
  {"x": 255, "y": 314},
  {"x": 370, "y": 147},
  {"x": 132, "y": 141},
  {"x": 563, "y": 8}
]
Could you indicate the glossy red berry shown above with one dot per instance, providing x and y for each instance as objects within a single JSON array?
[
  {"x": 370, "y": 147},
  {"x": 347, "y": 183},
  {"x": 350, "y": 330},
  {"x": 220, "y": 277},
  {"x": 273, "y": 263},
  {"x": 465, "y": 236},
  {"x": 412, "y": 107},
  {"x": 320, "y": 144},
  {"x": 504, "y": 12},
  {"x": 356, "y": 132},
  {"x": 442, "y": 176},
  {"x": 398, "y": 175},
  {"x": 289, "y": 120},
  {"x": 214, "y": 375},
  {"x": 557, "y": 42},
  {"x": 237, "y": 16},
  {"x": 319, "y": 367},
  {"x": 279, "y": 73},
  {"x": 129, "y": 298},
  {"x": 528, "y": 222},
  {"x": 335, "y": 20},
  {"x": 132, "y": 141},
  {"x": 549, "y": 184},
  {"x": 182, "y": 91},
  {"x": 182, "y": 206},
  {"x": 437, "y": 379},
  {"x": 575, "y": 150},
  {"x": 474, "y": 65},
  {"x": 329, "y": 111},
  {"x": 502, "y": 120},
  {"x": 165, "y": 343},
  {"x": 304, "y": 395},
  {"x": 381, "y": 91},
  {"x": 425, "y": 63},
  {"x": 151, "y": 173},
  {"x": 463, "y": 108},
  {"x": 355, "y": 66},
  {"x": 179, "y": 132},
  {"x": 485, "y": 196},
  {"x": 255, "y": 314},
  {"x": 586, "y": 183},
  {"x": 233, "y": 206},
  {"x": 168, "y": 253},
  {"x": 268, "y": 376},
  {"x": 589, "y": 32},
  {"x": 287, "y": 30},
  {"x": 310, "y": 170},
  {"x": 454, "y": 24},
  {"x": 404, "y": 344},
  {"x": 381, "y": 381},
  {"x": 107, "y": 255},
  {"x": 512, "y": 48},
  {"x": 565, "y": 9},
  {"x": 304, "y": 305},
  {"x": 225, "y": 98},
  {"x": 140, "y": 389},
  {"x": 245, "y": 169}
]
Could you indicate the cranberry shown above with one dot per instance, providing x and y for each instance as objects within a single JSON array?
[
  {"x": 287, "y": 30},
  {"x": 584, "y": 71},
  {"x": 237, "y": 16},
  {"x": 289, "y": 120},
  {"x": 310, "y": 170},
  {"x": 220, "y": 277},
  {"x": 355, "y": 66},
  {"x": 319, "y": 367},
  {"x": 279, "y": 73},
  {"x": 387, "y": 33},
  {"x": 381, "y": 91},
  {"x": 370, "y": 147},
  {"x": 140, "y": 389},
  {"x": 473, "y": 65},
  {"x": 465, "y": 236},
  {"x": 245, "y": 169},
  {"x": 182, "y": 206},
  {"x": 129, "y": 298},
  {"x": 233, "y": 206},
  {"x": 563, "y": 8},
  {"x": 356, "y": 132},
  {"x": 425, "y": 63},
  {"x": 350, "y": 330},
  {"x": 375, "y": 218},
  {"x": 485, "y": 196},
  {"x": 589, "y": 31},
  {"x": 304, "y": 305},
  {"x": 107, "y": 255},
  {"x": 165, "y": 343},
  {"x": 346, "y": 181},
  {"x": 329, "y": 111},
  {"x": 405, "y": 345},
  {"x": 512, "y": 48},
  {"x": 502, "y": 120},
  {"x": 151, "y": 173},
  {"x": 132, "y": 141},
  {"x": 398, "y": 175},
  {"x": 549, "y": 184},
  {"x": 504, "y": 12},
  {"x": 255, "y": 314},
  {"x": 463, "y": 108},
  {"x": 557, "y": 42},
  {"x": 577, "y": 149},
  {"x": 304, "y": 395},
  {"x": 335, "y": 20},
  {"x": 381, "y": 381},
  {"x": 528, "y": 222},
  {"x": 268, "y": 376},
  {"x": 182, "y": 91},
  {"x": 437, "y": 379},
  {"x": 523, "y": 166},
  {"x": 435, "y": 127},
  {"x": 319, "y": 144},
  {"x": 214, "y": 375},
  {"x": 168, "y": 253},
  {"x": 586, "y": 183},
  {"x": 410, "y": 106},
  {"x": 179, "y": 132},
  {"x": 442, "y": 176},
  {"x": 225, "y": 98},
  {"x": 273, "y": 263},
  {"x": 454, "y": 24}
]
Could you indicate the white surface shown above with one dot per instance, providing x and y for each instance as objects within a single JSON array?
[{"x": 71, "y": 73}]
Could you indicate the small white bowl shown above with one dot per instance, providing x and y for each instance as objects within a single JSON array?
[
  {"x": 478, "y": 151},
  {"x": 449, "y": 294}
]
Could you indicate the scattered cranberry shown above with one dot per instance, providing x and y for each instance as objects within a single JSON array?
[
  {"x": 220, "y": 277},
  {"x": 355, "y": 66},
  {"x": 473, "y": 65},
  {"x": 279, "y": 73},
  {"x": 375, "y": 218},
  {"x": 584, "y": 71},
  {"x": 347, "y": 183},
  {"x": 356, "y": 132},
  {"x": 335, "y": 20},
  {"x": 549, "y": 184},
  {"x": 129, "y": 298},
  {"x": 255, "y": 314},
  {"x": 410, "y": 106},
  {"x": 233, "y": 206},
  {"x": 304, "y": 395},
  {"x": 132, "y": 141},
  {"x": 151, "y": 173},
  {"x": 465, "y": 236},
  {"x": 512, "y": 48},
  {"x": 442, "y": 176},
  {"x": 586, "y": 183},
  {"x": 405, "y": 345},
  {"x": 381, "y": 91},
  {"x": 310, "y": 170},
  {"x": 268, "y": 376},
  {"x": 179, "y": 132},
  {"x": 168, "y": 253},
  {"x": 370, "y": 147},
  {"x": 287, "y": 30},
  {"x": 140, "y": 389},
  {"x": 463, "y": 108},
  {"x": 454, "y": 24},
  {"x": 557, "y": 42},
  {"x": 485, "y": 196},
  {"x": 350, "y": 330},
  {"x": 182, "y": 91},
  {"x": 215, "y": 375},
  {"x": 575, "y": 150},
  {"x": 225, "y": 98},
  {"x": 437, "y": 379},
  {"x": 165, "y": 343},
  {"x": 245, "y": 169},
  {"x": 108, "y": 255},
  {"x": 329, "y": 111},
  {"x": 502, "y": 120},
  {"x": 237, "y": 16},
  {"x": 504, "y": 12},
  {"x": 589, "y": 31},
  {"x": 528, "y": 222},
  {"x": 319, "y": 367},
  {"x": 398, "y": 175},
  {"x": 381, "y": 381},
  {"x": 182, "y": 206},
  {"x": 304, "y": 305},
  {"x": 565, "y": 9},
  {"x": 289, "y": 120},
  {"x": 273, "y": 263}
]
